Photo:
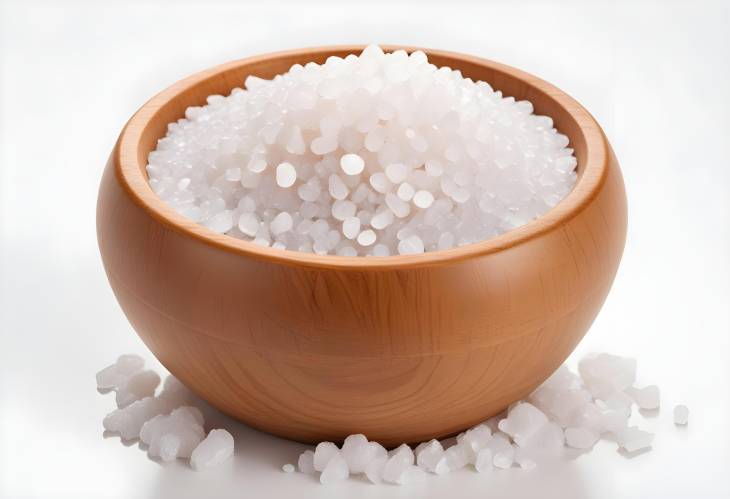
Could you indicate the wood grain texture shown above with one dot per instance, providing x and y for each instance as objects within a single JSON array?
[{"x": 401, "y": 348}]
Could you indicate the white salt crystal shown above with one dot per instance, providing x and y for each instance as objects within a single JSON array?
[
  {"x": 140, "y": 385},
  {"x": 281, "y": 223},
  {"x": 581, "y": 438},
  {"x": 400, "y": 208},
  {"x": 288, "y": 468},
  {"x": 382, "y": 219},
  {"x": 681, "y": 414},
  {"x": 400, "y": 460},
  {"x": 216, "y": 448},
  {"x": 366, "y": 238},
  {"x": 411, "y": 474},
  {"x": 352, "y": 164},
  {"x": 323, "y": 145},
  {"x": 406, "y": 191},
  {"x": 248, "y": 223},
  {"x": 117, "y": 374},
  {"x": 522, "y": 422},
  {"x": 411, "y": 246},
  {"x": 127, "y": 421},
  {"x": 306, "y": 462},
  {"x": 220, "y": 222},
  {"x": 379, "y": 181},
  {"x": 337, "y": 188},
  {"x": 173, "y": 436},
  {"x": 504, "y": 458},
  {"x": 524, "y": 458},
  {"x": 605, "y": 374},
  {"x": 323, "y": 453},
  {"x": 286, "y": 175},
  {"x": 633, "y": 439},
  {"x": 295, "y": 144},
  {"x": 475, "y": 439},
  {"x": 457, "y": 456},
  {"x": 335, "y": 470},
  {"x": 423, "y": 199},
  {"x": 351, "y": 227},
  {"x": 381, "y": 250},
  {"x": 396, "y": 172},
  {"x": 429, "y": 455},
  {"x": 343, "y": 209},
  {"x": 646, "y": 398},
  {"x": 358, "y": 452},
  {"x": 374, "y": 469},
  {"x": 483, "y": 461}
]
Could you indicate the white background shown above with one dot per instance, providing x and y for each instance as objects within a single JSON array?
[{"x": 656, "y": 76}]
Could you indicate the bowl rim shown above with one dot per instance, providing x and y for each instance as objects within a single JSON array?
[{"x": 133, "y": 180}]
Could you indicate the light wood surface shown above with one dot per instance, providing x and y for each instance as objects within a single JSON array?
[{"x": 400, "y": 348}]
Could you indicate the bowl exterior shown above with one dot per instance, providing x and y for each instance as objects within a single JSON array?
[{"x": 400, "y": 354}]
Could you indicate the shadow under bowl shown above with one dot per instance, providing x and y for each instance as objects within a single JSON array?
[{"x": 401, "y": 348}]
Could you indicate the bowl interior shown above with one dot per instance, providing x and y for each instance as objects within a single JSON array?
[{"x": 150, "y": 124}]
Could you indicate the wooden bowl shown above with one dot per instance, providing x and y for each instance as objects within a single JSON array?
[{"x": 401, "y": 348}]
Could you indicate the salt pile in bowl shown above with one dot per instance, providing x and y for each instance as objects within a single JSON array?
[{"x": 371, "y": 155}]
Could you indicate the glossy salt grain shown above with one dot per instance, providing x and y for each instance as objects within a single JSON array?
[
  {"x": 140, "y": 385},
  {"x": 175, "y": 435},
  {"x": 116, "y": 375},
  {"x": 681, "y": 414},
  {"x": 215, "y": 449},
  {"x": 380, "y": 137}
]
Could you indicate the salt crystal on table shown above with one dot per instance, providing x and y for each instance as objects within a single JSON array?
[
  {"x": 117, "y": 374},
  {"x": 633, "y": 439},
  {"x": 288, "y": 468},
  {"x": 605, "y": 374},
  {"x": 374, "y": 469},
  {"x": 214, "y": 450},
  {"x": 484, "y": 459},
  {"x": 646, "y": 398},
  {"x": 504, "y": 458},
  {"x": 323, "y": 453},
  {"x": 581, "y": 438},
  {"x": 411, "y": 474},
  {"x": 399, "y": 461},
  {"x": 128, "y": 421},
  {"x": 429, "y": 455},
  {"x": 140, "y": 385},
  {"x": 525, "y": 458},
  {"x": 681, "y": 414},
  {"x": 358, "y": 452},
  {"x": 306, "y": 462},
  {"x": 522, "y": 422},
  {"x": 173, "y": 436},
  {"x": 335, "y": 470},
  {"x": 457, "y": 456},
  {"x": 475, "y": 439}
]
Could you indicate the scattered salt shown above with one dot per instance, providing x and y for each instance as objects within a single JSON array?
[
  {"x": 116, "y": 375},
  {"x": 564, "y": 410},
  {"x": 681, "y": 414},
  {"x": 138, "y": 386},
  {"x": 216, "y": 448}
]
